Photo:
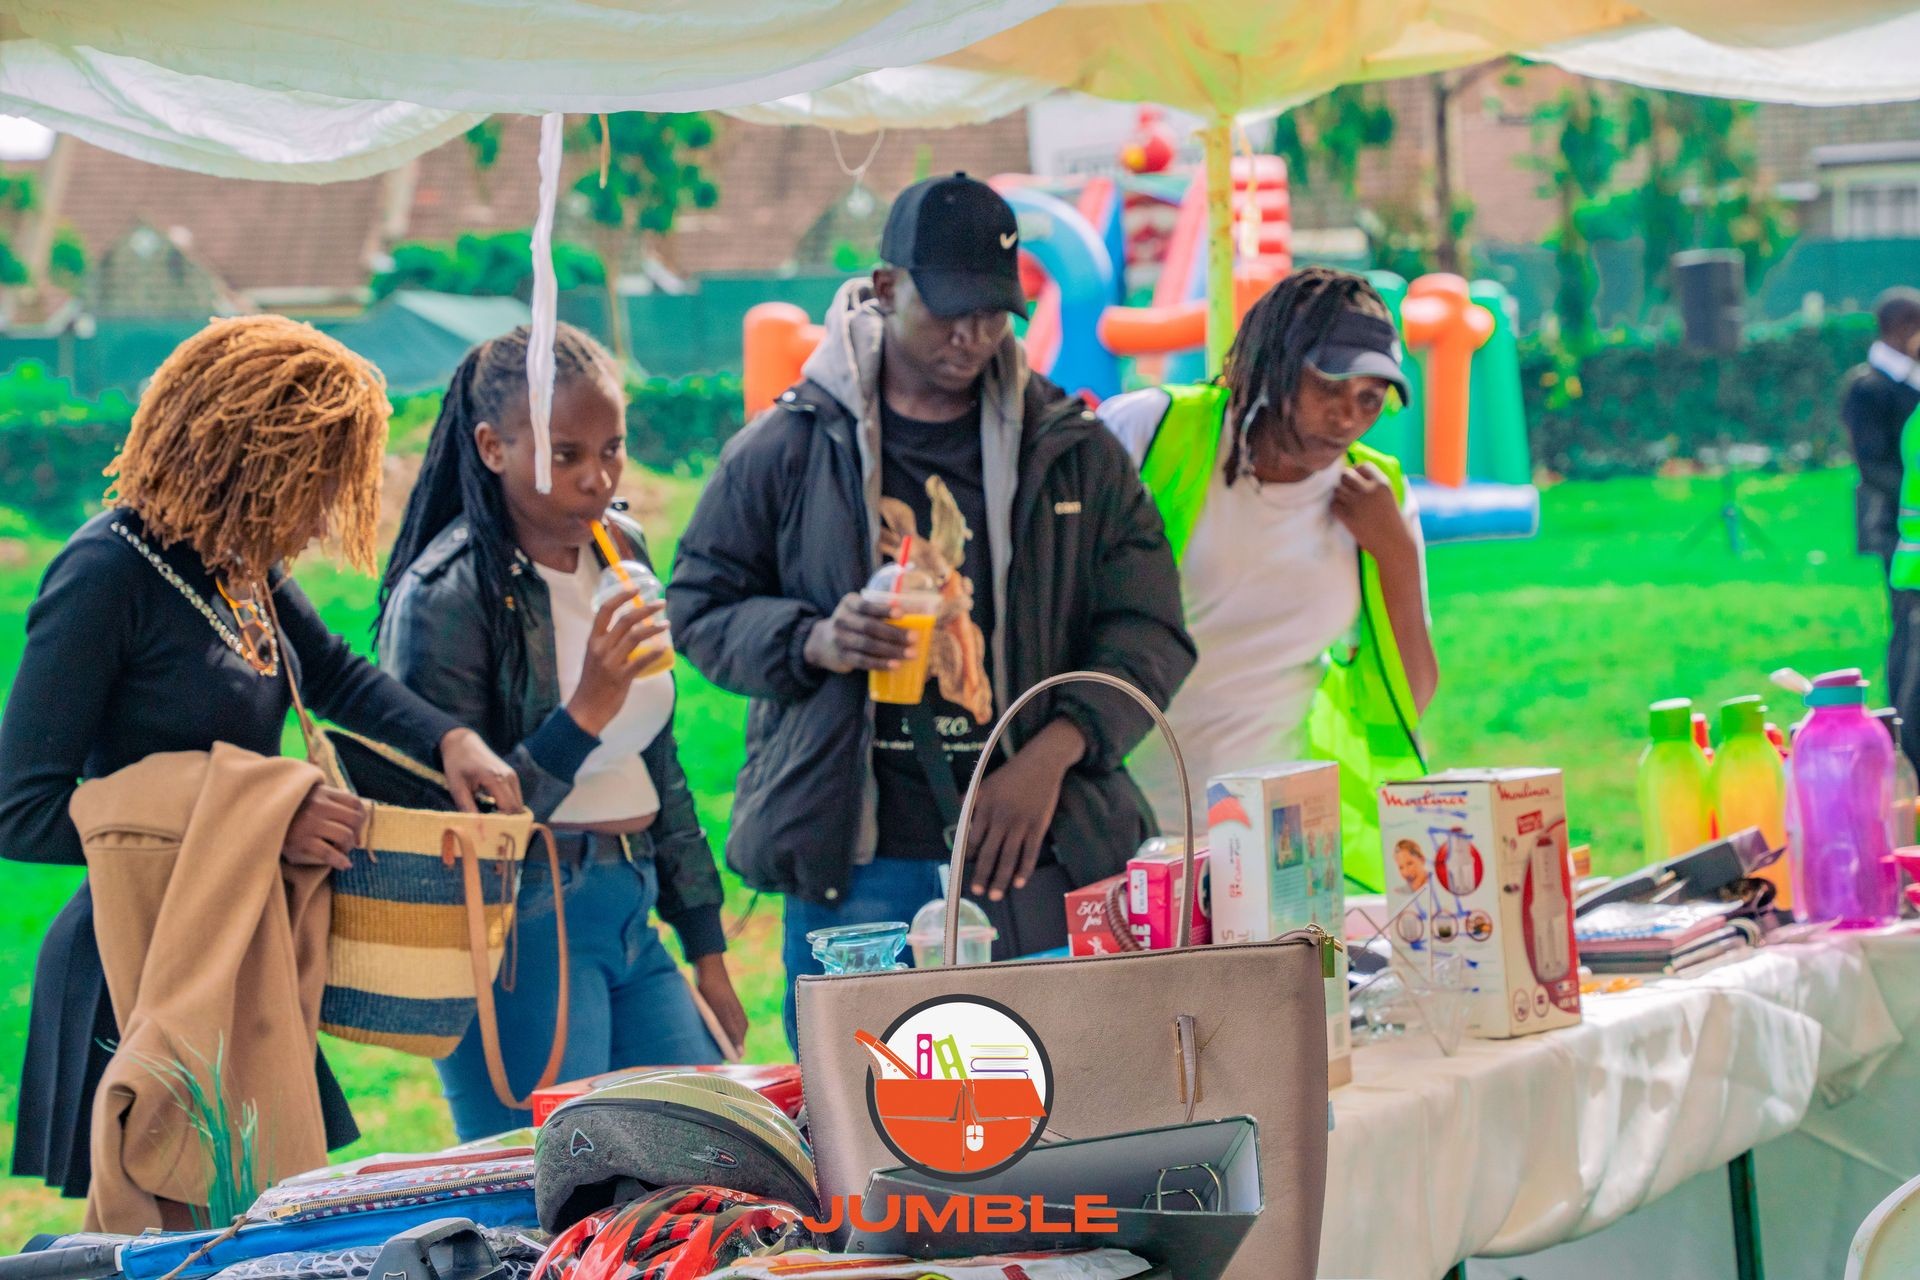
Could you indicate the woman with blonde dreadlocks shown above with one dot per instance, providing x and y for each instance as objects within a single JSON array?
[{"x": 257, "y": 437}]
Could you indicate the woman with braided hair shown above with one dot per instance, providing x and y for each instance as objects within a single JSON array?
[
  {"x": 152, "y": 633},
  {"x": 1302, "y": 566},
  {"x": 491, "y": 610}
]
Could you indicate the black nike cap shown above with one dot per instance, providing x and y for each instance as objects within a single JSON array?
[{"x": 959, "y": 241}]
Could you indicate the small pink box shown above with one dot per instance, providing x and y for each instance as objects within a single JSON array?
[{"x": 1154, "y": 892}]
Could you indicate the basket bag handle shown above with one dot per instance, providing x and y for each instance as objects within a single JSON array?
[
  {"x": 454, "y": 846},
  {"x": 958, "y": 867}
]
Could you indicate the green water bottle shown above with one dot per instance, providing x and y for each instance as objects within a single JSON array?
[
  {"x": 1676, "y": 807},
  {"x": 1750, "y": 785}
]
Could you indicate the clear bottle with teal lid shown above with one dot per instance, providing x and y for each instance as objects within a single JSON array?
[
  {"x": 1750, "y": 785},
  {"x": 1676, "y": 807}
]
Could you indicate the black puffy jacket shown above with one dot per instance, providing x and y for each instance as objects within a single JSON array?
[{"x": 780, "y": 535}]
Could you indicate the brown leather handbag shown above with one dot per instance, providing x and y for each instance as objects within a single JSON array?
[{"x": 1131, "y": 1042}]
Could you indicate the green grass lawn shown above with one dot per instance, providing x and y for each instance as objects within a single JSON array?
[{"x": 1550, "y": 650}]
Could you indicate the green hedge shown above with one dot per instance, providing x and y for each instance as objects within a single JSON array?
[
  {"x": 54, "y": 444},
  {"x": 673, "y": 424},
  {"x": 679, "y": 424},
  {"x": 1644, "y": 400}
]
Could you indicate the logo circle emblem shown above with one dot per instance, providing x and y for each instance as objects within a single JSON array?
[{"x": 959, "y": 1087}]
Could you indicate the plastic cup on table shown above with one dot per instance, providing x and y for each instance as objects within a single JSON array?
[
  {"x": 913, "y": 592},
  {"x": 928, "y": 936}
]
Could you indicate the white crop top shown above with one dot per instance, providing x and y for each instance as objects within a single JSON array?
[{"x": 613, "y": 784}]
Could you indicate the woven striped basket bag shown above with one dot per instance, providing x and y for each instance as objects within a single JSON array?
[{"x": 422, "y": 920}]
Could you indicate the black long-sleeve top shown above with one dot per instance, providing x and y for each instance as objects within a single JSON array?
[{"x": 119, "y": 664}]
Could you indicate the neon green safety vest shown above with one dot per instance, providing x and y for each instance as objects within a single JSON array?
[
  {"x": 1905, "y": 574},
  {"x": 1363, "y": 716}
]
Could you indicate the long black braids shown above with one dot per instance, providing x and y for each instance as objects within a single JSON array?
[
  {"x": 454, "y": 481},
  {"x": 1263, "y": 368}
]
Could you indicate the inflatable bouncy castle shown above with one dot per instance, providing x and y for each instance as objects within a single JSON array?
[{"x": 1090, "y": 246}]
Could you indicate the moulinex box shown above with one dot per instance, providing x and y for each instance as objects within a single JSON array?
[
  {"x": 1477, "y": 866},
  {"x": 1273, "y": 836}
]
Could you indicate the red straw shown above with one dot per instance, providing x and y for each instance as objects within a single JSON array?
[{"x": 906, "y": 550}]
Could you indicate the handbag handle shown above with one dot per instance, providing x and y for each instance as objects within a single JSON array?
[
  {"x": 453, "y": 844},
  {"x": 958, "y": 867}
]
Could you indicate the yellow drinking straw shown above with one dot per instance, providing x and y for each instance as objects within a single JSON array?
[{"x": 607, "y": 550}]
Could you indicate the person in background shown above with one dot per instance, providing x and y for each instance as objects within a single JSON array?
[
  {"x": 153, "y": 633},
  {"x": 1880, "y": 396},
  {"x": 1302, "y": 566},
  {"x": 487, "y": 610},
  {"x": 918, "y": 416}
]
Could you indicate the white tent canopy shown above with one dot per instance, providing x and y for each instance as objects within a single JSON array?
[
  {"x": 1225, "y": 59},
  {"x": 330, "y": 89}
]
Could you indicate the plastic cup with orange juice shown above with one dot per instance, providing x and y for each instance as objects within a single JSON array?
[
  {"x": 624, "y": 574},
  {"x": 913, "y": 593}
]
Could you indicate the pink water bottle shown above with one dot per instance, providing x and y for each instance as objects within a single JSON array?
[{"x": 1842, "y": 790}]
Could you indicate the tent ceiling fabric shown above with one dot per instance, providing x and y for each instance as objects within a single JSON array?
[
  {"x": 335, "y": 89},
  {"x": 1879, "y": 63},
  {"x": 525, "y": 56},
  {"x": 1218, "y": 57},
  {"x": 215, "y": 127}
]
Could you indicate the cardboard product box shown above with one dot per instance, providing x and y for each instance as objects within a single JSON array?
[
  {"x": 1479, "y": 860},
  {"x": 1155, "y": 888},
  {"x": 1088, "y": 933},
  {"x": 1274, "y": 850}
]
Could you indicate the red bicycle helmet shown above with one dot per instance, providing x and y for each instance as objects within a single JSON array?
[{"x": 676, "y": 1233}]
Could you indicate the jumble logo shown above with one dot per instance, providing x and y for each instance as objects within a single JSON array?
[{"x": 959, "y": 1089}]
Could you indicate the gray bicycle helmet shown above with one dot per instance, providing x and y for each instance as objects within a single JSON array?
[{"x": 662, "y": 1129}]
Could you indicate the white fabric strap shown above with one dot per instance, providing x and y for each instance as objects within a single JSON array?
[{"x": 546, "y": 304}]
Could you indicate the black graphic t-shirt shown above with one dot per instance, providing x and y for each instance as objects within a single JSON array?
[{"x": 910, "y": 451}]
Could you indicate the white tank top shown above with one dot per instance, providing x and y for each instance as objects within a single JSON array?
[{"x": 613, "y": 784}]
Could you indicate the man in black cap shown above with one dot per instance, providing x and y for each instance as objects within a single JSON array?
[
  {"x": 1301, "y": 561},
  {"x": 918, "y": 417}
]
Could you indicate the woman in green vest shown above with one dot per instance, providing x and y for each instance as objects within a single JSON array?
[{"x": 1302, "y": 566}]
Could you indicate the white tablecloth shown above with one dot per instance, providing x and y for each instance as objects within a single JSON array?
[{"x": 1515, "y": 1146}]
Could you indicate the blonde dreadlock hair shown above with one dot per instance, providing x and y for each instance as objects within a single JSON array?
[{"x": 256, "y": 433}]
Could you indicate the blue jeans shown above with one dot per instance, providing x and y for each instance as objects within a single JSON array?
[
  {"x": 884, "y": 889},
  {"x": 629, "y": 1006}
]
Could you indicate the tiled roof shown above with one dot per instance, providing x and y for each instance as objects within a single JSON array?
[{"x": 774, "y": 185}]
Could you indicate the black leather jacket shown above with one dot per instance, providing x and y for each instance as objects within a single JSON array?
[{"x": 434, "y": 639}]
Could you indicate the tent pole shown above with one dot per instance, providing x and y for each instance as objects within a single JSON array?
[{"x": 1217, "y": 137}]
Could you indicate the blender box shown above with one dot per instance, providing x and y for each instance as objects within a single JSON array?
[
  {"x": 1274, "y": 848},
  {"x": 1087, "y": 931},
  {"x": 1478, "y": 866},
  {"x": 1155, "y": 887}
]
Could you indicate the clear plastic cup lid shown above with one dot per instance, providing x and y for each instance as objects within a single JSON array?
[
  {"x": 913, "y": 588},
  {"x": 613, "y": 579},
  {"x": 930, "y": 922},
  {"x": 892, "y": 577}
]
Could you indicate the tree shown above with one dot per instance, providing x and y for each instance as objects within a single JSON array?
[
  {"x": 650, "y": 174},
  {"x": 1452, "y": 213},
  {"x": 1331, "y": 133},
  {"x": 498, "y": 265},
  {"x": 1578, "y": 168}
]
